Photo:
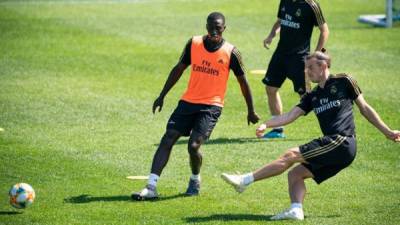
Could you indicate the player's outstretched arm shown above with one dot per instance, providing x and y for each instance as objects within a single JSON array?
[
  {"x": 173, "y": 77},
  {"x": 373, "y": 117},
  {"x": 281, "y": 120},
  {"x": 252, "y": 116}
]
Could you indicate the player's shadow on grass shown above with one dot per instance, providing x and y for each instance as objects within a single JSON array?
[
  {"x": 9, "y": 213},
  {"x": 323, "y": 216},
  {"x": 81, "y": 199},
  {"x": 88, "y": 198},
  {"x": 184, "y": 141},
  {"x": 236, "y": 140},
  {"x": 228, "y": 217},
  {"x": 240, "y": 217},
  {"x": 222, "y": 140}
]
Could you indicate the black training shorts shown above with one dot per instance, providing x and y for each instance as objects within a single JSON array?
[
  {"x": 284, "y": 66},
  {"x": 189, "y": 117},
  {"x": 328, "y": 155}
]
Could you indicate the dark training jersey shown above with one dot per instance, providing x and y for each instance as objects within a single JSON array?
[
  {"x": 235, "y": 64},
  {"x": 333, "y": 104},
  {"x": 298, "y": 18}
]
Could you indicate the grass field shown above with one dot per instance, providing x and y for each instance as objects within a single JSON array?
[{"x": 77, "y": 82}]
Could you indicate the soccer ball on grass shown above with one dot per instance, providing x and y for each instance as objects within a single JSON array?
[{"x": 21, "y": 195}]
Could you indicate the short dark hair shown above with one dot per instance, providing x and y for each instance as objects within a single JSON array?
[{"x": 216, "y": 16}]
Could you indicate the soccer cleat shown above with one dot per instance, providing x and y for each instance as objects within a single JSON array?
[
  {"x": 235, "y": 180},
  {"x": 275, "y": 133},
  {"x": 290, "y": 214},
  {"x": 148, "y": 193},
  {"x": 193, "y": 188}
]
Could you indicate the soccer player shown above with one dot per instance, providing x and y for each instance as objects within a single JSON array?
[
  {"x": 295, "y": 23},
  {"x": 324, "y": 157},
  {"x": 211, "y": 58}
]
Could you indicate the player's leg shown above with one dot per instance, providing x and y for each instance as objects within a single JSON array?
[
  {"x": 297, "y": 191},
  {"x": 195, "y": 141},
  {"x": 160, "y": 160},
  {"x": 163, "y": 152},
  {"x": 274, "y": 168},
  {"x": 273, "y": 80},
  {"x": 297, "y": 187},
  {"x": 195, "y": 157},
  {"x": 274, "y": 100},
  {"x": 325, "y": 157},
  {"x": 204, "y": 123},
  {"x": 279, "y": 165},
  {"x": 178, "y": 125}
]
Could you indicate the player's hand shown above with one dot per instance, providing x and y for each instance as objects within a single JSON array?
[
  {"x": 252, "y": 117},
  {"x": 267, "y": 42},
  {"x": 159, "y": 102},
  {"x": 394, "y": 135},
  {"x": 260, "y": 130}
]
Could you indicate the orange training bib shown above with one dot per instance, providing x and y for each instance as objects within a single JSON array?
[{"x": 209, "y": 74}]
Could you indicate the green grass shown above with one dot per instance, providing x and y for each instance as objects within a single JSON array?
[{"x": 77, "y": 82}]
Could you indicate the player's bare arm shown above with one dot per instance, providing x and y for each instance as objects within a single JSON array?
[
  {"x": 284, "y": 119},
  {"x": 373, "y": 117},
  {"x": 274, "y": 31},
  {"x": 252, "y": 116},
  {"x": 323, "y": 36},
  {"x": 173, "y": 77}
]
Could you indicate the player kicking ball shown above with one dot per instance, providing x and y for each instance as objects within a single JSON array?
[{"x": 322, "y": 158}]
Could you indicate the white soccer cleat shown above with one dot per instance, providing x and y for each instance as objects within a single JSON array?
[
  {"x": 148, "y": 193},
  {"x": 235, "y": 180},
  {"x": 290, "y": 214}
]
